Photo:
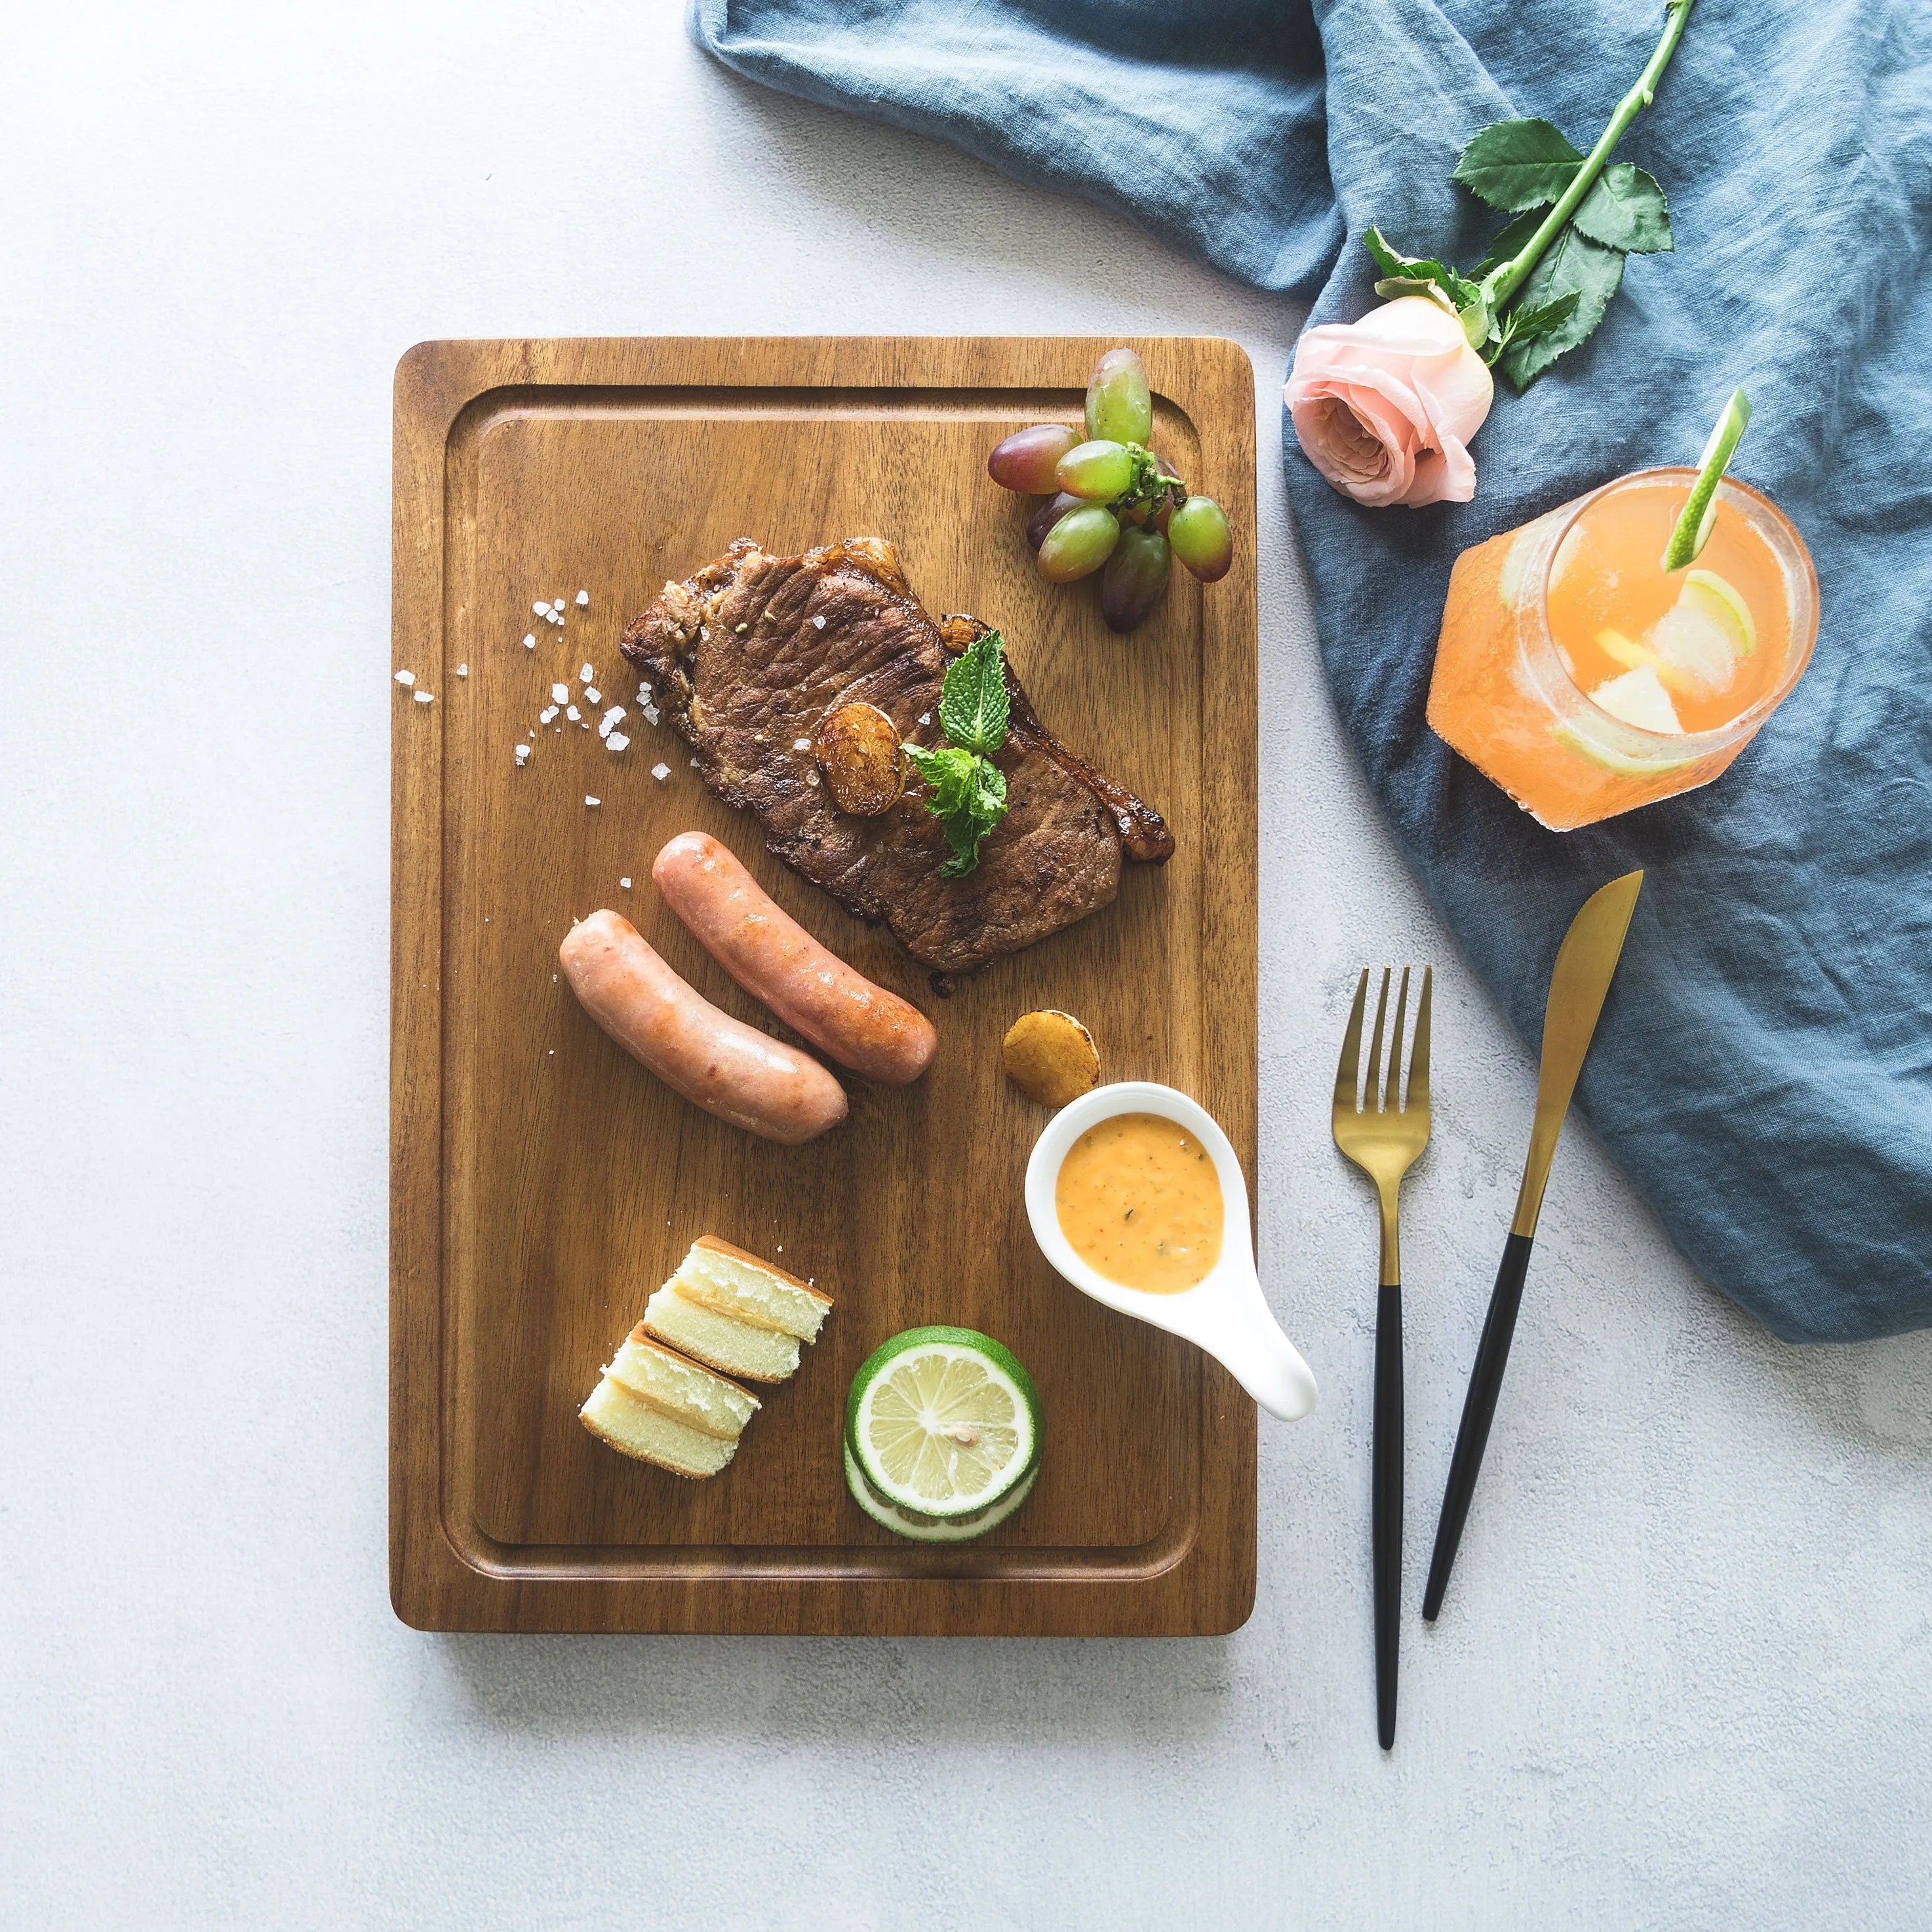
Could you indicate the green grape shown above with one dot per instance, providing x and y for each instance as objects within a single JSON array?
[
  {"x": 1025, "y": 461},
  {"x": 1048, "y": 513},
  {"x": 1201, "y": 539},
  {"x": 1119, "y": 408},
  {"x": 1135, "y": 580},
  {"x": 1099, "y": 471},
  {"x": 1079, "y": 543}
]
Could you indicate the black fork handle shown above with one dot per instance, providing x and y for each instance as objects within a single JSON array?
[
  {"x": 1479, "y": 1411},
  {"x": 1387, "y": 1480}
]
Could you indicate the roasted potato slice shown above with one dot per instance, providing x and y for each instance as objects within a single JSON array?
[
  {"x": 858, "y": 750},
  {"x": 1050, "y": 1058}
]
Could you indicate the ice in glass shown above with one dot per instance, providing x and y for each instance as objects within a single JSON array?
[{"x": 1586, "y": 680}]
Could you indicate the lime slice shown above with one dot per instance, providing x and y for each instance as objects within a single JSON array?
[
  {"x": 1700, "y": 512},
  {"x": 1719, "y": 601},
  {"x": 942, "y": 1421},
  {"x": 921, "y": 1528}
]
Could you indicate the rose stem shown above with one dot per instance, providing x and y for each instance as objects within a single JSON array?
[{"x": 1506, "y": 280}]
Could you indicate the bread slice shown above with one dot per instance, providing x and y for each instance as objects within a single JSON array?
[
  {"x": 614, "y": 1415},
  {"x": 680, "y": 1389},
  {"x": 718, "y": 1276},
  {"x": 738, "y": 1348}
]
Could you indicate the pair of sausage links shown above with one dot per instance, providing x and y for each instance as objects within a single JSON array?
[
  {"x": 774, "y": 959},
  {"x": 723, "y": 1065}
]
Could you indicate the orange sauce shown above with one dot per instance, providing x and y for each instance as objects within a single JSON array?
[{"x": 1138, "y": 1198}]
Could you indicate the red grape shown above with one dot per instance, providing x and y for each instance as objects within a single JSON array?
[
  {"x": 1201, "y": 539},
  {"x": 1135, "y": 580},
  {"x": 1099, "y": 471},
  {"x": 1048, "y": 513},
  {"x": 1119, "y": 408},
  {"x": 1025, "y": 461},
  {"x": 1079, "y": 543}
]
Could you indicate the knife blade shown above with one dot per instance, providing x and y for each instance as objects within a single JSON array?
[{"x": 1586, "y": 963}]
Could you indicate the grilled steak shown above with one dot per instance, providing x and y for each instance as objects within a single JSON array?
[{"x": 747, "y": 656}]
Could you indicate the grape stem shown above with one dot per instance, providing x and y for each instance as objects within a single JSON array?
[
  {"x": 1502, "y": 282},
  {"x": 1150, "y": 483}
]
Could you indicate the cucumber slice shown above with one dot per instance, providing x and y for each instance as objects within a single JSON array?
[{"x": 1700, "y": 515}]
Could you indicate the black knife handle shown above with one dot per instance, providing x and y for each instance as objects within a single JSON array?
[
  {"x": 1479, "y": 1410},
  {"x": 1387, "y": 1505}
]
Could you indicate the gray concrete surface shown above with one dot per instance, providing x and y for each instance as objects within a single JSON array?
[{"x": 1685, "y": 1678}]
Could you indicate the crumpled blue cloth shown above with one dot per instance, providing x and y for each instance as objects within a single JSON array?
[{"x": 1763, "y": 1071}]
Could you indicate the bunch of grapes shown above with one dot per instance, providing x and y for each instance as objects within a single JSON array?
[{"x": 1112, "y": 505}]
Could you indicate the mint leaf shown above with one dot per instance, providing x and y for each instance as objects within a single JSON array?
[
  {"x": 1511, "y": 242},
  {"x": 1625, "y": 208},
  {"x": 973, "y": 701},
  {"x": 1572, "y": 265},
  {"x": 1517, "y": 164},
  {"x": 967, "y": 793},
  {"x": 948, "y": 774},
  {"x": 1420, "y": 269}
]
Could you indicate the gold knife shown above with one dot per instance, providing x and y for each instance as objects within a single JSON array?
[{"x": 1586, "y": 963}]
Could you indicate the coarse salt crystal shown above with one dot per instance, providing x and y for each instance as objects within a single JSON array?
[
  {"x": 559, "y": 694},
  {"x": 820, "y": 622},
  {"x": 583, "y": 597},
  {"x": 546, "y": 714},
  {"x": 529, "y": 641},
  {"x": 801, "y": 744},
  {"x": 585, "y": 675},
  {"x": 925, "y": 717},
  {"x": 626, "y": 883},
  {"x": 424, "y": 697},
  {"x": 660, "y": 773},
  {"x": 617, "y": 741},
  {"x": 541, "y": 609},
  {"x": 651, "y": 713},
  {"x": 557, "y": 604},
  {"x": 573, "y": 714},
  {"x": 406, "y": 678},
  {"x": 589, "y": 800},
  {"x": 523, "y": 755},
  {"x": 616, "y": 712},
  {"x": 592, "y": 695},
  {"x": 462, "y": 670}
]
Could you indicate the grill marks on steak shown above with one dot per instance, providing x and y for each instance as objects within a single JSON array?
[{"x": 747, "y": 656}]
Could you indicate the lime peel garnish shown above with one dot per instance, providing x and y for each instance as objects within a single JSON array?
[{"x": 1699, "y": 516}]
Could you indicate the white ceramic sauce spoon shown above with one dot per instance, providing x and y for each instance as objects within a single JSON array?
[{"x": 1225, "y": 1312}]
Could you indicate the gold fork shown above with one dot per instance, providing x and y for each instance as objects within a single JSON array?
[{"x": 1382, "y": 1130}]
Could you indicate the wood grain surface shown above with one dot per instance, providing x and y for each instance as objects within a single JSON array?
[{"x": 544, "y": 1184}]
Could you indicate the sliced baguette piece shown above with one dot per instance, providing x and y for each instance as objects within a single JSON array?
[
  {"x": 680, "y": 1389},
  {"x": 614, "y": 1415},
  {"x": 738, "y": 1349},
  {"x": 720, "y": 1276}
]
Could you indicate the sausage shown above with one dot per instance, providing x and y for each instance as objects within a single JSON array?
[
  {"x": 727, "y": 1068},
  {"x": 862, "y": 1026}
]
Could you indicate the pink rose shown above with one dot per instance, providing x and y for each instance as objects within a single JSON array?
[{"x": 1384, "y": 407}]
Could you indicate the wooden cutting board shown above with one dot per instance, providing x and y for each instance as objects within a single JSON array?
[{"x": 544, "y": 1184}]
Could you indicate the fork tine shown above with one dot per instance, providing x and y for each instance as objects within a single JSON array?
[
  {"x": 1371, "y": 1098},
  {"x": 1346, "y": 1073},
  {"x": 1418, "y": 1065},
  {"x": 1392, "y": 1102}
]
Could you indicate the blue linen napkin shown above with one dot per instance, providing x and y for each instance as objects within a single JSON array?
[{"x": 1763, "y": 1072}]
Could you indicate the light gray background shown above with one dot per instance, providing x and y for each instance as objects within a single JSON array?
[{"x": 1685, "y": 1675}]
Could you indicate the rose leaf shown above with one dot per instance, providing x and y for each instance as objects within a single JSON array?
[
  {"x": 1625, "y": 208},
  {"x": 1573, "y": 265},
  {"x": 1517, "y": 164}
]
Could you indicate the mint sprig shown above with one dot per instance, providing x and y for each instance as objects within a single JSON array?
[
  {"x": 965, "y": 791},
  {"x": 1561, "y": 261}
]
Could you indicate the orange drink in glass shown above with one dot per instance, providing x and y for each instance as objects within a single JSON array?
[{"x": 1586, "y": 680}]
